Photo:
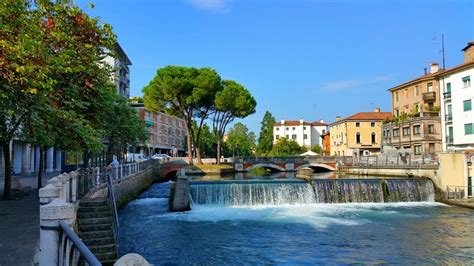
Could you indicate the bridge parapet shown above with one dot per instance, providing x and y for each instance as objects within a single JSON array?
[{"x": 290, "y": 163}]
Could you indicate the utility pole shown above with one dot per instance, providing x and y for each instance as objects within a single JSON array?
[{"x": 442, "y": 49}]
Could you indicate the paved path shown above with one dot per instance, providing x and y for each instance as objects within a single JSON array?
[{"x": 19, "y": 225}]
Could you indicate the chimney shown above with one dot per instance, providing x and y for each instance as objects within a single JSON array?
[
  {"x": 338, "y": 118},
  {"x": 321, "y": 121},
  {"x": 377, "y": 110},
  {"x": 469, "y": 52},
  {"x": 434, "y": 67},
  {"x": 301, "y": 121},
  {"x": 282, "y": 122}
]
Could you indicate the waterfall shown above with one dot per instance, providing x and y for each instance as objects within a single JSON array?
[
  {"x": 278, "y": 192},
  {"x": 252, "y": 193}
]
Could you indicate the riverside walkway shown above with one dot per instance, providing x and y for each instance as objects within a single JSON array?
[{"x": 19, "y": 220}]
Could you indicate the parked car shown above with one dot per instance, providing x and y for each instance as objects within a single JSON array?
[
  {"x": 135, "y": 158},
  {"x": 160, "y": 156}
]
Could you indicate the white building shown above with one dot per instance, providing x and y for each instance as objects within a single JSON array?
[
  {"x": 121, "y": 76},
  {"x": 457, "y": 90},
  {"x": 304, "y": 133}
]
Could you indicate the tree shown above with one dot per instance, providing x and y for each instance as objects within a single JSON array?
[
  {"x": 187, "y": 92},
  {"x": 317, "y": 149},
  {"x": 233, "y": 101},
  {"x": 240, "y": 140},
  {"x": 122, "y": 126},
  {"x": 285, "y": 147},
  {"x": 208, "y": 145},
  {"x": 53, "y": 80},
  {"x": 265, "y": 138}
]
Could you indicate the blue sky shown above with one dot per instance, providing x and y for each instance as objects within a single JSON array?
[{"x": 309, "y": 59}]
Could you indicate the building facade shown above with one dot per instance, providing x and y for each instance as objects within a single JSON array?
[
  {"x": 121, "y": 76},
  {"x": 358, "y": 134},
  {"x": 326, "y": 143},
  {"x": 457, "y": 99},
  {"x": 167, "y": 134},
  {"x": 416, "y": 121},
  {"x": 306, "y": 134}
]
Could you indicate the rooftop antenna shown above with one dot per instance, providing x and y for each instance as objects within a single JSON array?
[{"x": 442, "y": 49}]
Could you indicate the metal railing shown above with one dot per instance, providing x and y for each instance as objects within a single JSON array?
[
  {"x": 459, "y": 192},
  {"x": 72, "y": 251},
  {"x": 406, "y": 161}
]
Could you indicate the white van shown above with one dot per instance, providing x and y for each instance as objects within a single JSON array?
[{"x": 135, "y": 158}]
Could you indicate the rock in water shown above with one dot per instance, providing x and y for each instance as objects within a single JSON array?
[{"x": 180, "y": 201}]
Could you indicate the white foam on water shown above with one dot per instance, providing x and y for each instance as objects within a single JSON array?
[{"x": 149, "y": 201}]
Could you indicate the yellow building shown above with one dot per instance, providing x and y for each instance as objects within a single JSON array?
[{"x": 360, "y": 133}]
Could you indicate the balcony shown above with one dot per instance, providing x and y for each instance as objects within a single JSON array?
[
  {"x": 429, "y": 96},
  {"x": 448, "y": 118},
  {"x": 447, "y": 96},
  {"x": 449, "y": 140}
]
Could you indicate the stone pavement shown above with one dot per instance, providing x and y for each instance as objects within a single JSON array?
[{"x": 19, "y": 224}]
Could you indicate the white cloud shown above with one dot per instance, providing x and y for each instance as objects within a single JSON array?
[
  {"x": 354, "y": 83},
  {"x": 219, "y": 6}
]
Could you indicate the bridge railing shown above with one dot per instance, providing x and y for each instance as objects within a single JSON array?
[
  {"x": 399, "y": 161},
  {"x": 345, "y": 160}
]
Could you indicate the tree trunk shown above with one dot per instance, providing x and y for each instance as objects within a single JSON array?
[
  {"x": 218, "y": 152},
  {"x": 7, "y": 191},
  {"x": 190, "y": 148},
  {"x": 41, "y": 167},
  {"x": 198, "y": 154},
  {"x": 87, "y": 156}
]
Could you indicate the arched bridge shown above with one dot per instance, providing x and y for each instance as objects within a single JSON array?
[
  {"x": 290, "y": 164},
  {"x": 169, "y": 169}
]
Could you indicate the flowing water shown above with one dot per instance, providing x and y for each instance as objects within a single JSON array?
[{"x": 336, "y": 221}]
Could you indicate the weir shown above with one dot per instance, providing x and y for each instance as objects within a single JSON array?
[{"x": 276, "y": 192}]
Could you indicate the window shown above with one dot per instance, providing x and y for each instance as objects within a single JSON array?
[
  {"x": 448, "y": 87},
  {"x": 373, "y": 138},
  {"x": 357, "y": 124},
  {"x": 417, "y": 90},
  {"x": 431, "y": 129},
  {"x": 396, "y": 132},
  {"x": 396, "y": 96},
  {"x": 293, "y": 128},
  {"x": 278, "y": 129},
  {"x": 324, "y": 131},
  {"x": 417, "y": 108},
  {"x": 287, "y": 128},
  {"x": 358, "y": 138},
  {"x": 305, "y": 136},
  {"x": 397, "y": 113},
  {"x": 287, "y": 136},
  {"x": 430, "y": 87},
  {"x": 293, "y": 136},
  {"x": 277, "y": 136},
  {"x": 467, "y": 105},
  {"x": 304, "y": 128},
  {"x": 466, "y": 82},
  {"x": 418, "y": 149},
  {"x": 406, "y": 131},
  {"x": 469, "y": 129},
  {"x": 405, "y": 93},
  {"x": 431, "y": 148},
  {"x": 372, "y": 124},
  {"x": 416, "y": 130}
]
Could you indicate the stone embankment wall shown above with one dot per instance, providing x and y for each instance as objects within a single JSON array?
[
  {"x": 128, "y": 188},
  {"x": 431, "y": 173}
]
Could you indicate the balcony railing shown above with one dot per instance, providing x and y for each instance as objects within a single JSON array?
[
  {"x": 447, "y": 96},
  {"x": 449, "y": 140},
  {"x": 429, "y": 96},
  {"x": 449, "y": 118}
]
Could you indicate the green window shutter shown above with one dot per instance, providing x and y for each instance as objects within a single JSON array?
[
  {"x": 468, "y": 129},
  {"x": 466, "y": 78},
  {"x": 467, "y": 105},
  {"x": 448, "y": 87}
]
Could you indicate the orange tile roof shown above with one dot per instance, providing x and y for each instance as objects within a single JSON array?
[
  {"x": 297, "y": 123},
  {"x": 366, "y": 116},
  {"x": 424, "y": 77}
]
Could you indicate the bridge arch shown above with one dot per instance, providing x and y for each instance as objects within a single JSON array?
[
  {"x": 267, "y": 166},
  {"x": 316, "y": 166}
]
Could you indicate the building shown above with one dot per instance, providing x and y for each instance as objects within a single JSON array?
[
  {"x": 326, "y": 138},
  {"x": 359, "y": 134},
  {"x": 167, "y": 133},
  {"x": 457, "y": 117},
  {"x": 306, "y": 134},
  {"x": 416, "y": 122},
  {"x": 121, "y": 76}
]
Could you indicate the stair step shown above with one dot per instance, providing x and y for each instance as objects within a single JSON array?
[
  {"x": 89, "y": 209},
  {"x": 99, "y": 241},
  {"x": 102, "y": 249},
  {"x": 94, "y": 202},
  {"x": 95, "y": 227},
  {"x": 106, "y": 256},
  {"x": 94, "y": 215},
  {"x": 97, "y": 234},
  {"x": 93, "y": 221}
]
